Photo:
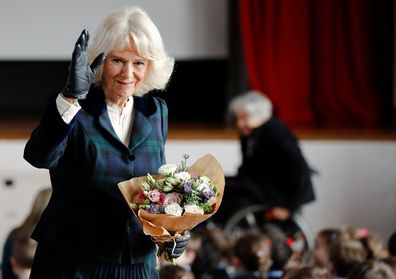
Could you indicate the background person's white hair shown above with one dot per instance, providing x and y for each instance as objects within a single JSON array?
[
  {"x": 254, "y": 103},
  {"x": 132, "y": 26}
]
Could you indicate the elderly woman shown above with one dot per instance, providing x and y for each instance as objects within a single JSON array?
[
  {"x": 274, "y": 171},
  {"x": 102, "y": 129}
]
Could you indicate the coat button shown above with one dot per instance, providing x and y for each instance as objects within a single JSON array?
[{"x": 131, "y": 157}]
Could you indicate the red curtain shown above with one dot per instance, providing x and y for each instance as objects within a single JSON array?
[{"x": 316, "y": 60}]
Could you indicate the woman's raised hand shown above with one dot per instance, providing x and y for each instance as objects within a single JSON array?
[{"x": 81, "y": 74}]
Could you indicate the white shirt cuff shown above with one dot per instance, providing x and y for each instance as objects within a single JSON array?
[{"x": 67, "y": 110}]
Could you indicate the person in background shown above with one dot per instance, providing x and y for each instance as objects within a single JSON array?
[
  {"x": 27, "y": 226},
  {"x": 307, "y": 272},
  {"x": 391, "y": 261},
  {"x": 392, "y": 245},
  {"x": 323, "y": 241},
  {"x": 103, "y": 128},
  {"x": 371, "y": 242},
  {"x": 345, "y": 254},
  {"x": 175, "y": 272},
  {"x": 23, "y": 254},
  {"x": 252, "y": 251},
  {"x": 212, "y": 259},
  {"x": 281, "y": 252},
  {"x": 372, "y": 269},
  {"x": 273, "y": 171}
]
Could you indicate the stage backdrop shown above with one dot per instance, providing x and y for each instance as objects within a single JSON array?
[{"x": 323, "y": 63}]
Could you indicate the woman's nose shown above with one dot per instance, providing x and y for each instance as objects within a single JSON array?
[{"x": 127, "y": 69}]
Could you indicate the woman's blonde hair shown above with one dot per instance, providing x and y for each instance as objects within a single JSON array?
[{"x": 132, "y": 27}]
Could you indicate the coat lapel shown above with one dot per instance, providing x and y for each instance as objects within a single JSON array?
[
  {"x": 143, "y": 108},
  {"x": 95, "y": 104},
  {"x": 140, "y": 130},
  {"x": 105, "y": 122}
]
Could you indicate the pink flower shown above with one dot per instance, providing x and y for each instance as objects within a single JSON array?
[
  {"x": 173, "y": 197},
  {"x": 154, "y": 195}
]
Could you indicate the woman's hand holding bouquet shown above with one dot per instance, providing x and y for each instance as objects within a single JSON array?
[{"x": 171, "y": 203}]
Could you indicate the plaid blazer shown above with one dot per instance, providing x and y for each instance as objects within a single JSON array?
[{"x": 87, "y": 214}]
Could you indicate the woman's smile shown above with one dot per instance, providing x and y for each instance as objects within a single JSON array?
[{"x": 123, "y": 72}]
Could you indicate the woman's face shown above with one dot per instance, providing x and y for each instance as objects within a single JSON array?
[
  {"x": 123, "y": 72},
  {"x": 246, "y": 123}
]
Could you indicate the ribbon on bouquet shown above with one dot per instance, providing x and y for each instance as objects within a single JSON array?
[{"x": 160, "y": 240}]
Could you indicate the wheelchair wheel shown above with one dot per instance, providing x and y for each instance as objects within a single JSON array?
[{"x": 295, "y": 230}]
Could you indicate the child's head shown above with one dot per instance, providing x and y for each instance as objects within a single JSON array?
[
  {"x": 372, "y": 269},
  {"x": 214, "y": 248},
  {"x": 344, "y": 255},
  {"x": 280, "y": 250},
  {"x": 374, "y": 247},
  {"x": 175, "y": 272},
  {"x": 391, "y": 261},
  {"x": 323, "y": 241},
  {"x": 392, "y": 245},
  {"x": 371, "y": 242},
  {"x": 253, "y": 250},
  {"x": 307, "y": 272}
]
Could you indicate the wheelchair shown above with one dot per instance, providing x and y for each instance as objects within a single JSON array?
[{"x": 294, "y": 232}]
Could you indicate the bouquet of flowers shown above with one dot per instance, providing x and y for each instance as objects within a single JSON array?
[{"x": 177, "y": 199}]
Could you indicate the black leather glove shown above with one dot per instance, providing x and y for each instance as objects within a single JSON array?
[
  {"x": 175, "y": 251},
  {"x": 81, "y": 74}
]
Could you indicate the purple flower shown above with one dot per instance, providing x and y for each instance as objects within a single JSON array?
[
  {"x": 187, "y": 188},
  {"x": 207, "y": 193},
  {"x": 154, "y": 208}
]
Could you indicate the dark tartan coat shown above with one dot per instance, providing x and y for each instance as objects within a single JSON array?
[{"x": 87, "y": 215}]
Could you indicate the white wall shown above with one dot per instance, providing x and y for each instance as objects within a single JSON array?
[
  {"x": 356, "y": 182},
  {"x": 16, "y": 200},
  {"x": 48, "y": 29}
]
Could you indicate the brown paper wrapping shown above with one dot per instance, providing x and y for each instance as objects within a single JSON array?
[{"x": 164, "y": 226}]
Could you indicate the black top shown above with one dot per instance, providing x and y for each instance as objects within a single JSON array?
[{"x": 272, "y": 159}]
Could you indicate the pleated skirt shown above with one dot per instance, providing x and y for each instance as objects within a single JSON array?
[{"x": 50, "y": 264}]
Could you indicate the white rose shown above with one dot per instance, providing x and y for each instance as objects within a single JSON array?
[
  {"x": 173, "y": 209},
  {"x": 203, "y": 186},
  {"x": 182, "y": 176},
  {"x": 193, "y": 208},
  {"x": 205, "y": 179},
  {"x": 211, "y": 201},
  {"x": 167, "y": 169}
]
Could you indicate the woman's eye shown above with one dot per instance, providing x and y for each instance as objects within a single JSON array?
[
  {"x": 116, "y": 60},
  {"x": 139, "y": 64}
]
